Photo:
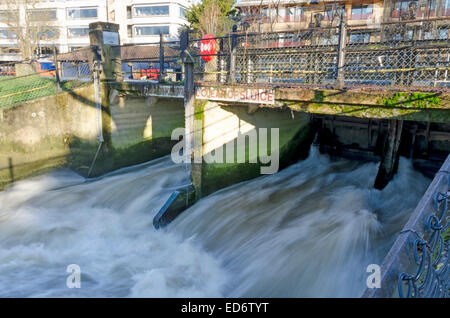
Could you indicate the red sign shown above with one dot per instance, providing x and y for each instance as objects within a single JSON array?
[
  {"x": 208, "y": 47},
  {"x": 241, "y": 95}
]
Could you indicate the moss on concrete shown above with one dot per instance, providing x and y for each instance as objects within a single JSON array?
[
  {"x": 294, "y": 143},
  {"x": 61, "y": 132}
]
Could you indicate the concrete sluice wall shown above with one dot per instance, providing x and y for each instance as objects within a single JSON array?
[
  {"x": 62, "y": 131},
  {"x": 223, "y": 126}
]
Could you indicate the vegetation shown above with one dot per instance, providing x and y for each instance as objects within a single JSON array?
[
  {"x": 27, "y": 24},
  {"x": 21, "y": 89},
  {"x": 212, "y": 16},
  {"x": 416, "y": 100},
  {"x": 15, "y": 90}
]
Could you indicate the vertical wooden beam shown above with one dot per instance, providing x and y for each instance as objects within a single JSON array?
[{"x": 389, "y": 161}]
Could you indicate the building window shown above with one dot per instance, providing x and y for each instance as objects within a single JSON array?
[
  {"x": 446, "y": 7},
  {"x": 43, "y": 15},
  {"x": 77, "y": 32},
  {"x": 7, "y": 34},
  {"x": 47, "y": 34},
  {"x": 9, "y": 50},
  {"x": 44, "y": 50},
  {"x": 431, "y": 10},
  {"x": 183, "y": 13},
  {"x": 408, "y": 36},
  {"x": 402, "y": 8},
  {"x": 328, "y": 14},
  {"x": 151, "y": 30},
  {"x": 84, "y": 13},
  {"x": 443, "y": 34},
  {"x": 331, "y": 13},
  {"x": 151, "y": 11},
  {"x": 6, "y": 16},
  {"x": 359, "y": 38},
  {"x": 295, "y": 14},
  {"x": 362, "y": 11}
]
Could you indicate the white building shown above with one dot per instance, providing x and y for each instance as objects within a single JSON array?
[{"x": 140, "y": 21}]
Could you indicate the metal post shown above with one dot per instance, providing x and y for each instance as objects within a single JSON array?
[
  {"x": 341, "y": 51},
  {"x": 161, "y": 58},
  {"x": 188, "y": 63},
  {"x": 58, "y": 81},
  {"x": 232, "y": 65},
  {"x": 250, "y": 70},
  {"x": 222, "y": 77}
]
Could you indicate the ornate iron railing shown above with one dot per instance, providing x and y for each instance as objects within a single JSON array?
[
  {"x": 432, "y": 278},
  {"x": 422, "y": 248}
]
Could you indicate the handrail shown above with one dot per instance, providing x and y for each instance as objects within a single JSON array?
[{"x": 403, "y": 254}]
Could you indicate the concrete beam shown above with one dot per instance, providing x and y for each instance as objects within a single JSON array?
[{"x": 414, "y": 106}]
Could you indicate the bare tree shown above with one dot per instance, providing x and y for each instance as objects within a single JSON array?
[
  {"x": 28, "y": 23},
  {"x": 210, "y": 20}
]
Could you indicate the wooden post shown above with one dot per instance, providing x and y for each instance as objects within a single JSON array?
[
  {"x": 341, "y": 51},
  {"x": 11, "y": 170},
  {"x": 389, "y": 161}
]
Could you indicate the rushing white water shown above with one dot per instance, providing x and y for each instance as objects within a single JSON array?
[{"x": 310, "y": 230}]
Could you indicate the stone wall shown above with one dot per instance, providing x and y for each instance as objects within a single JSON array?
[
  {"x": 36, "y": 135},
  {"x": 62, "y": 131}
]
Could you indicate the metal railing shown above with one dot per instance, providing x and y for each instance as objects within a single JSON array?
[
  {"x": 39, "y": 81},
  {"x": 402, "y": 54},
  {"x": 421, "y": 248},
  {"x": 152, "y": 61}
]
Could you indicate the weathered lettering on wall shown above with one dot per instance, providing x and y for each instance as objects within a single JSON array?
[
  {"x": 164, "y": 91},
  {"x": 234, "y": 94}
]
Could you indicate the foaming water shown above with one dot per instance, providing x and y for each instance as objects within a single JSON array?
[
  {"x": 310, "y": 230},
  {"x": 105, "y": 227}
]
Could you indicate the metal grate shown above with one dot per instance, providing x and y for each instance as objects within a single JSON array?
[{"x": 407, "y": 54}]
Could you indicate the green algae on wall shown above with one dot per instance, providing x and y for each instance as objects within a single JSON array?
[
  {"x": 414, "y": 106},
  {"x": 295, "y": 138}
]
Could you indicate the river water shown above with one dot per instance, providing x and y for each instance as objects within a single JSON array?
[{"x": 309, "y": 231}]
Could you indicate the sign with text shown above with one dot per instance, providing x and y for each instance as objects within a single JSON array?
[
  {"x": 234, "y": 94},
  {"x": 208, "y": 47},
  {"x": 110, "y": 38},
  {"x": 174, "y": 91}
]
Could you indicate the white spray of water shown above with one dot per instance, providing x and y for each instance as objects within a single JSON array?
[
  {"x": 105, "y": 227},
  {"x": 309, "y": 230}
]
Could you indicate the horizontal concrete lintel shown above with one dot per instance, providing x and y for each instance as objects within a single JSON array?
[
  {"x": 140, "y": 88},
  {"x": 362, "y": 97},
  {"x": 360, "y": 103}
]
